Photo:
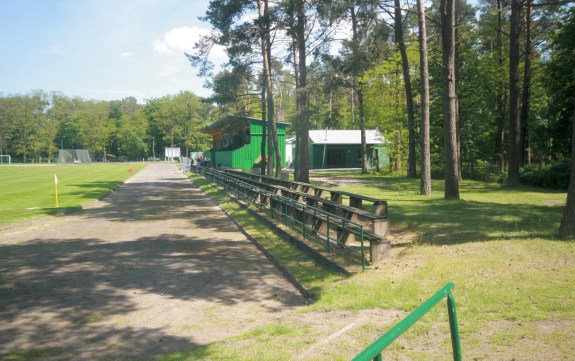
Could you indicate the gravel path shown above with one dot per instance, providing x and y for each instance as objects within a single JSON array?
[{"x": 154, "y": 268}]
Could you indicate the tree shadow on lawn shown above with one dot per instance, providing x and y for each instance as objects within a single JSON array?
[
  {"x": 66, "y": 293},
  {"x": 453, "y": 222}
]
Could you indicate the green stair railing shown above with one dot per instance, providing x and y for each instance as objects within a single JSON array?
[{"x": 373, "y": 351}]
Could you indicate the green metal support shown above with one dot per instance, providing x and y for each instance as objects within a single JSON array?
[
  {"x": 373, "y": 351},
  {"x": 304, "y": 220},
  {"x": 362, "y": 251},
  {"x": 327, "y": 244},
  {"x": 455, "y": 344}
]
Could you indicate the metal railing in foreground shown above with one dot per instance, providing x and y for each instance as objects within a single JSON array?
[
  {"x": 373, "y": 351},
  {"x": 295, "y": 215}
]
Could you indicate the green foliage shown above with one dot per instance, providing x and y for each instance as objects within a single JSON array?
[
  {"x": 560, "y": 82},
  {"x": 478, "y": 171},
  {"x": 132, "y": 135},
  {"x": 385, "y": 102},
  {"x": 554, "y": 176},
  {"x": 34, "y": 126}
]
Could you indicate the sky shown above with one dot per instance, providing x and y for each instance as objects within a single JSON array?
[{"x": 101, "y": 50}]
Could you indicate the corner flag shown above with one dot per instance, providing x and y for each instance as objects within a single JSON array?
[{"x": 56, "y": 188}]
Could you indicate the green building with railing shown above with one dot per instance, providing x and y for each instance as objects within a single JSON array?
[{"x": 237, "y": 142}]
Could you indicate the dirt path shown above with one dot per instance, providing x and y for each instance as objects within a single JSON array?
[{"x": 154, "y": 268}]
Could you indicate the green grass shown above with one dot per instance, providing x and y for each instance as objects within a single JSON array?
[
  {"x": 514, "y": 278},
  {"x": 486, "y": 211},
  {"x": 252, "y": 345},
  {"x": 28, "y": 191}
]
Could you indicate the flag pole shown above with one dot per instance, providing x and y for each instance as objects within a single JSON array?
[{"x": 56, "y": 189}]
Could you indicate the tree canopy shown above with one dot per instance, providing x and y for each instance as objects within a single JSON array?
[{"x": 35, "y": 125}]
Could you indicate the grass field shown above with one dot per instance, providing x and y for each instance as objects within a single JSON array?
[
  {"x": 28, "y": 191},
  {"x": 514, "y": 279}
]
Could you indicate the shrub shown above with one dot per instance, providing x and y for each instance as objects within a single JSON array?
[{"x": 554, "y": 175}]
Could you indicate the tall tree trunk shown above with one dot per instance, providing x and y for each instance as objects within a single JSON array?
[
  {"x": 425, "y": 179},
  {"x": 358, "y": 87},
  {"x": 500, "y": 140},
  {"x": 362, "y": 127},
  {"x": 275, "y": 154},
  {"x": 567, "y": 227},
  {"x": 456, "y": 74},
  {"x": 265, "y": 40},
  {"x": 514, "y": 121},
  {"x": 297, "y": 120},
  {"x": 449, "y": 99},
  {"x": 526, "y": 95},
  {"x": 398, "y": 24},
  {"x": 302, "y": 95},
  {"x": 275, "y": 158},
  {"x": 264, "y": 129}
]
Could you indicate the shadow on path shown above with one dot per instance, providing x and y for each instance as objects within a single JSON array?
[{"x": 155, "y": 268}]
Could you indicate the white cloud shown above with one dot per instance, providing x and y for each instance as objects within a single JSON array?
[
  {"x": 178, "y": 41},
  {"x": 127, "y": 54}
]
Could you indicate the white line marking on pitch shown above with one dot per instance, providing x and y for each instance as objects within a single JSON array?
[{"x": 330, "y": 338}]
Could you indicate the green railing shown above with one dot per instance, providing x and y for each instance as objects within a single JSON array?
[
  {"x": 373, "y": 351},
  {"x": 281, "y": 206}
]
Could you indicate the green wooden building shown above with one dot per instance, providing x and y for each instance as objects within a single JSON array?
[{"x": 237, "y": 141}]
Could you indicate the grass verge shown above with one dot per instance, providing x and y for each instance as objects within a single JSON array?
[{"x": 28, "y": 192}]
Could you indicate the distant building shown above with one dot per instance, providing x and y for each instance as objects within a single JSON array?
[
  {"x": 332, "y": 149},
  {"x": 237, "y": 141}
]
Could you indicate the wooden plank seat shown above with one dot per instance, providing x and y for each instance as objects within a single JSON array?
[
  {"x": 379, "y": 206},
  {"x": 374, "y": 227},
  {"x": 330, "y": 205}
]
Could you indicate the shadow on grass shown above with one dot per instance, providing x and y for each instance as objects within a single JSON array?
[
  {"x": 451, "y": 222},
  {"x": 438, "y": 221}
]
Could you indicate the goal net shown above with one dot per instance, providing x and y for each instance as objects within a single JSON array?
[
  {"x": 5, "y": 159},
  {"x": 74, "y": 156}
]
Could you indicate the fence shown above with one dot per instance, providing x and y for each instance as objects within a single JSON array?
[
  {"x": 373, "y": 351},
  {"x": 186, "y": 164}
]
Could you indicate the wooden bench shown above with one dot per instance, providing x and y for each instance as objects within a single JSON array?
[
  {"x": 379, "y": 206},
  {"x": 375, "y": 225}
]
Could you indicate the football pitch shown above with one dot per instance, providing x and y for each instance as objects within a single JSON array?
[{"x": 29, "y": 192}]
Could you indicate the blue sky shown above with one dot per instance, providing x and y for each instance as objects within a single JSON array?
[{"x": 102, "y": 50}]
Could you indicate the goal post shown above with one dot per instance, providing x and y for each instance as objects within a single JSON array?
[
  {"x": 74, "y": 156},
  {"x": 5, "y": 158}
]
